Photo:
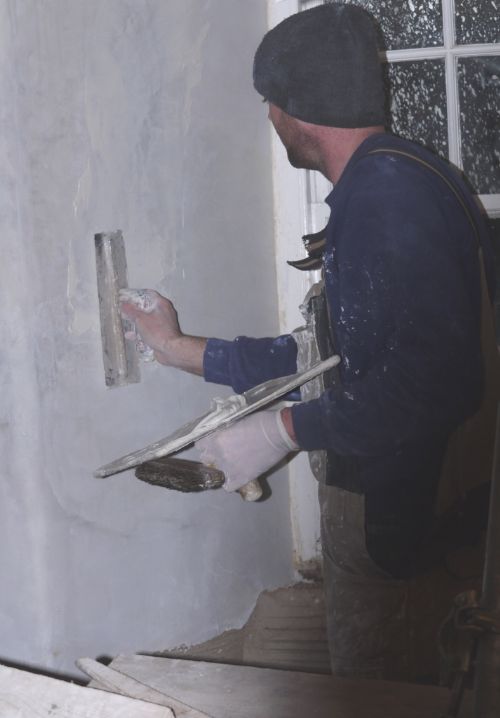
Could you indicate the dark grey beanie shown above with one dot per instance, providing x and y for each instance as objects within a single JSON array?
[{"x": 322, "y": 66}]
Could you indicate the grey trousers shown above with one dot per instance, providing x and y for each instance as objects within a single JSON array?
[
  {"x": 378, "y": 626},
  {"x": 367, "y": 609}
]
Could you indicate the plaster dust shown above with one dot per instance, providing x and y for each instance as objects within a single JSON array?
[
  {"x": 144, "y": 299},
  {"x": 147, "y": 301}
]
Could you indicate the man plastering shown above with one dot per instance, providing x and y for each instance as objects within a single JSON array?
[{"x": 400, "y": 302}]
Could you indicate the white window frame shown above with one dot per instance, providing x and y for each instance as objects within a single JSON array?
[{"x": 450, "y": 53}]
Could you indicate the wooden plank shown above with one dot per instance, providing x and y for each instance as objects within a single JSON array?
[
  {"x": 26, "y": 695},
  {"x": 112, "y": 680},
  {"x": 229, "y": 691}
]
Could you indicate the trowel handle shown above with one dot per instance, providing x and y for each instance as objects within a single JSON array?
[{"x": 251, "y": 491}]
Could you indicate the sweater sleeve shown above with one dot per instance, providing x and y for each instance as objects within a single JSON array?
[
  {"x": 246, "y": 362},
  {"x": 407, "y": 321}
]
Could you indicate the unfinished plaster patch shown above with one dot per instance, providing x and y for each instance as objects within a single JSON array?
[{"x": 286, "y": 630}]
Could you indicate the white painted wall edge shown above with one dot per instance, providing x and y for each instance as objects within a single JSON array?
[{"x": 290, "y": 225}]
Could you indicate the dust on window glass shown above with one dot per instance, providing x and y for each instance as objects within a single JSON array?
[
  {"x": 407, "y": 23},
  {"x": 477, "y": 21},
  {"x": 479, "y": 95},
  {"x": 417, "y": 95}
]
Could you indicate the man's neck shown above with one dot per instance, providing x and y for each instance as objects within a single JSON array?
[{"x": 337, "y": 146}]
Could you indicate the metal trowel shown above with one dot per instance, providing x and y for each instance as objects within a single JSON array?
[{"x": 121, "y": 362}]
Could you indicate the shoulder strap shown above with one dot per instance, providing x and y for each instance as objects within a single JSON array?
[
  {"x": 488, "y": 333},
  {"x": 469, "y": 458},
  {"x": 449, "y": 183}
]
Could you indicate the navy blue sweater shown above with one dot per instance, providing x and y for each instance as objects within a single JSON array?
[{"x": 402, "y": 282}]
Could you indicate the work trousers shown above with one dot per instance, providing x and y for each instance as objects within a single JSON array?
[{"x": 379, "y": 626}]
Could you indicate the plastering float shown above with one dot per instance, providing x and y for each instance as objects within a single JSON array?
[
  {"x": 121, "y": 362},
  {"x": 223, "y": 413}
]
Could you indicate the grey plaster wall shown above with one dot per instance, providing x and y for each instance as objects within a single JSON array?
[{"x": 139, "y": 115}]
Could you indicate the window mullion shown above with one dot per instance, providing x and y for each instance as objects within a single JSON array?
[
  {"x": 452, "y": 103},
  {"x": 414, "y": 53}
]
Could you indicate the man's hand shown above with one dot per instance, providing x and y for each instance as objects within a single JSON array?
[
  {"x": 156, "y": 320},
  {"x": 248, "y": 448}
]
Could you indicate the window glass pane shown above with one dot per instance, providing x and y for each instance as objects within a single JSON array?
[
  {"x": 477, "y": 21},
  {"x": 479, "y": 93},
  {"x": 407, "y": 23},
  {"x": 418, "y": 103}
]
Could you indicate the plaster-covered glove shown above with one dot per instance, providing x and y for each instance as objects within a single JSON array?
[
  {"x": 157, "y": 331},
  {"x": 155, "y": 322},
  {"x": 247, "y": 448}
]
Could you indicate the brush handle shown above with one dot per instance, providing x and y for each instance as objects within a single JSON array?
[{"x": 251, "y": 491}]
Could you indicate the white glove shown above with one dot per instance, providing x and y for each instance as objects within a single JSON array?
[
  {"x": 146, "y": 301},
  {"x": 248, "y": 448},
  {"x": 153, "y": 321}
]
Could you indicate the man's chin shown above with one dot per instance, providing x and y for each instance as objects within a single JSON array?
[
  {"x": 294, "y": 160},
  {"x": 300, "y": 163}
]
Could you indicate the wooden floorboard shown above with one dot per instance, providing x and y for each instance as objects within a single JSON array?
[{"x": 230, "y": 691}]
